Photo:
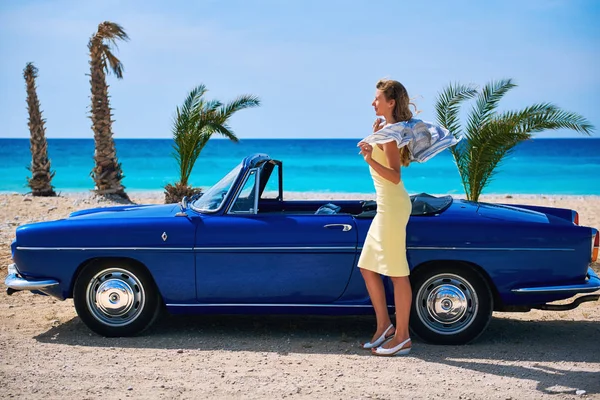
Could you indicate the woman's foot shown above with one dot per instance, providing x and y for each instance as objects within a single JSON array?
[
  {"x": 394, "y": 347},
  {"x": 380, "y": 337}
]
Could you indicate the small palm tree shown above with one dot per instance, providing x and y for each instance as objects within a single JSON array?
[
  {"x": 107, "y": 172},
  {"x": 41, "y": 176},
  {"x": 490, "y": 136},
  {"x": 193, "y": 126}
]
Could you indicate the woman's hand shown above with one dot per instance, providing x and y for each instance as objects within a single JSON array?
[
  {"x": 378, "y": 124},
  {"x": 366, "y": 150}
]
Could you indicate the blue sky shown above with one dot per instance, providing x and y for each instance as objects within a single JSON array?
[{"x": 313, "y": 63}]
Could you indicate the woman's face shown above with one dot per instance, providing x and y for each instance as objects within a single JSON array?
[{"x": 382, "y": 105}]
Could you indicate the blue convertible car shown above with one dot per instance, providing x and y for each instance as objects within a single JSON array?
[{"x": 242, "y": 248}]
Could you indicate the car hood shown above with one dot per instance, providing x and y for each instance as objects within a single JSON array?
[
  {"x": 134, "y": 225},
  {"x": 131, "y": 211}
]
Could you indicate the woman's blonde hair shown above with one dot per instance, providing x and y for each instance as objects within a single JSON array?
[{"x": 394, "y": 90}]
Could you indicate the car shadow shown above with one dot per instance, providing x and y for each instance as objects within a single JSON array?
[
  {"x": 550, "y": 341},
  {"x": 281, "y": 333},
  {"x": 505, "y": 343}
]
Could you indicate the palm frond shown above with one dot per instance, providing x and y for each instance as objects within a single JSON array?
[
  {"x": 196, "y": 121},
  {"x": 223, "y": 130},
  {"x": 448, "y": 103},
  {"x": 105, "y": 40},
  {"x": 111, "y": 31},
  {"x": 486, "y": 149},
  {"x": 489, "y": 136},
  {"x": 30, "y": 70},
  {"x": 192, "y": 102},
  {"x": 110, "y": 62},
  {"x": 486, "y": 104},
  {"x": 447, "y": 109},
  {"x": 546, "y": 116},
  {"x": 240, "y": 103}
]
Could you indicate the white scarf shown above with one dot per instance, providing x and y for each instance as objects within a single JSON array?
[{"x": 424, "y": 139}]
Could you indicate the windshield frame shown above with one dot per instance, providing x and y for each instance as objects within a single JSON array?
[
  {"x": 233, "y": 178},
  {"x": 257, "y": 171}
]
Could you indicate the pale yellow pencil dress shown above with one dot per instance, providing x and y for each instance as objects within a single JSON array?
[{"x": 384, "y": 250}]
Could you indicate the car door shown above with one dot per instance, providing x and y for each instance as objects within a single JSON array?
[{"x": 248, "y": 258}]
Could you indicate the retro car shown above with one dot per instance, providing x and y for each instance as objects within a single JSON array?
[{"x": 241, "y": 247}]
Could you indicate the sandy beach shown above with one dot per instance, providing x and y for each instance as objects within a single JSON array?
[{"x": 47, "y": 352}]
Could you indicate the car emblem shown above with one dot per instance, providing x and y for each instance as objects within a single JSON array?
[{"x": 164, "y": 236}]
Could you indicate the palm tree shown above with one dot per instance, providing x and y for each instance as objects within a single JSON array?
[
  {"x": 193, "y": 126},
  {"x": 41, "y": 176},
  {"x": 490, "y": 136},
  {"x": 107, "y": 172}
]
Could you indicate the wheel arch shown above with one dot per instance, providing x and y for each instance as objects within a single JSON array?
[
  {"x": 467, "y": 265},
  {"x": 91, "y": 261}
]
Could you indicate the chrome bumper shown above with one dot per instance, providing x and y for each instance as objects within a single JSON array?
[
  {"x": 14, "y": 282},
  {"x": 591, "y": 284}
]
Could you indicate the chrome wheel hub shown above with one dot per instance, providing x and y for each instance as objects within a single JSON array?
[
  {"x": 115, "y": 297},
  {"x": 447, "y": 304}
]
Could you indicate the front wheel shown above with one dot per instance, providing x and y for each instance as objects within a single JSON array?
[
  {"x": 115, "y": 298},
  {"x": 451, "y": 305}
]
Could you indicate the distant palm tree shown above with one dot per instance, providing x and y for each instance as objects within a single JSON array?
[
  {"x": 107, "y": 172},
  {"x": 490, "y": 136},
  {"x": 193, "y": 126},
  {"x": 41, "y": 176}
]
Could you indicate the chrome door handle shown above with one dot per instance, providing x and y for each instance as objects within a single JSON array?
[{"x": 345, "y": 227}]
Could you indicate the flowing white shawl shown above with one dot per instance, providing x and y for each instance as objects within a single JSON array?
[{"x": 424, "y": 139}]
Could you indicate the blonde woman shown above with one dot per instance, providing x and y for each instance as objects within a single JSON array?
[{"x": 384, "y": 250}]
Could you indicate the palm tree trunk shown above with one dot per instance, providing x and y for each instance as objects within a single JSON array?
[
  {"x": 107, "y": 172},
  {"x": 41, "y": 176}
]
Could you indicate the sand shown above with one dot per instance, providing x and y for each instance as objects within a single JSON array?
[{"x": 47, "y": 352}]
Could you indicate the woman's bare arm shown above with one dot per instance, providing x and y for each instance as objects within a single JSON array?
[{"x": 392, "y": 154}]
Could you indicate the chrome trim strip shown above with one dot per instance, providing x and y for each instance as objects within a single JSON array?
[
  {"x": 16, "y": 282},
  {"x": 489, "y": 248},
  {"x": 482, "y": 248},
  {"x": 591, "y": 285},
  {"x": 106, "y": 248},
  {"x": 274, "y": 248},
  {"x": 273, "y": 305},
  {"x": 284, "y": 248}
]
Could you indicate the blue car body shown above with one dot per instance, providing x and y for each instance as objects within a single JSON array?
[{"x": 274, "y": 255}]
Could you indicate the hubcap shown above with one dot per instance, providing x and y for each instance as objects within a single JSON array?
[
  {"x": 447, "y": 304},
  {"x": 115, "y": 297}
]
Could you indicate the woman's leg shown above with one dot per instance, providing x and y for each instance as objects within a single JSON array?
[
  {"x": 402, "y": 300},
  {"x": 377, "y": 295}
]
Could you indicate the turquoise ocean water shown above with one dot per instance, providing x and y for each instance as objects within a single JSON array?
[{"x": 539, "y": 166}]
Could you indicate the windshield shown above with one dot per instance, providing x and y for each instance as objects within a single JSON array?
[{"x": 214, "y": 197}]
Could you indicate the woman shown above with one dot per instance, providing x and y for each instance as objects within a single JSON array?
[{"x": 384, "y": 251}]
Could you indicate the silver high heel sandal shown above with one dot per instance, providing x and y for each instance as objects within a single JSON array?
[
  {"x": 394, "y": 351},
  {"x": 380, "y": 340}
]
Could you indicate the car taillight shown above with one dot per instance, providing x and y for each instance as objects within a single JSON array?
[
  {"x": 595, "y": 246},
  {"x": 575, "y": 217}
]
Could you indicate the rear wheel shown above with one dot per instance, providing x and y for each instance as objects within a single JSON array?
[
  {"x": 115, "y": 298},
  {"x": 451, "y": 305}
]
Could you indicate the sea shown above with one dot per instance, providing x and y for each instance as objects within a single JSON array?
[{"x": 537, "y": 166}]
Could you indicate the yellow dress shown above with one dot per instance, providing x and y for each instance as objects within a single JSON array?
[{"x": 384, "y": 250}]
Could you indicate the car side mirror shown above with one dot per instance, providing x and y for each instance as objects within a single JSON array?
[{"x": 183, "y": 205}]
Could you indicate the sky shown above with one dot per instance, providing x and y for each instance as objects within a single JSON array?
[{"x": 313, "y": 63}]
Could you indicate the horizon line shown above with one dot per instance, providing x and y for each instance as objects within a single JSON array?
[{"x": 277, "y": 138}]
